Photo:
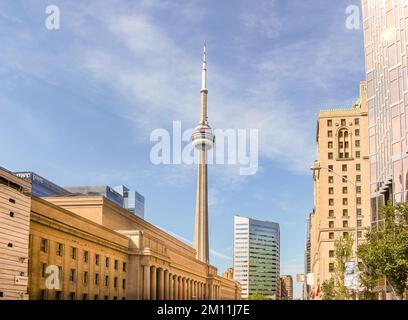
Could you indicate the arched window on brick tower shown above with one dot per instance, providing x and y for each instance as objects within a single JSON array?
[{"x": 344, "y": 143}]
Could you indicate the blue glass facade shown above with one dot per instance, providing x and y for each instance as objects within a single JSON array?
[{"x": 41, "y": 187}]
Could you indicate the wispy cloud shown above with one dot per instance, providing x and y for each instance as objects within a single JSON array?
[{"x": 213, "y": 252}]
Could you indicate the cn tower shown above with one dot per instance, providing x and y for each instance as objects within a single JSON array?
[{"x": 203, "y": 139}]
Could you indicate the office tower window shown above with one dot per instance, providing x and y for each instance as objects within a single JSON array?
[
  {"x": 330, "y": 145},
  {"x": 358, "y": 167},
  {"x": 331, "y": 202},
  {"x": 43, "y": 269},
  {"x": 60, "y": 272},
  {"x": 341, "y": 155},
  {"x": 345, "y": 179},
  {"x": 359, "y": 234},
  {"x": 345, "y": 213},
  {"x": 341, "y": 144},
  {"x": 357, "y": 143},
  {"x": 116, "y": 265},
  {"x": 358, "y": 154},
  {"x": 345, "y": 201},
  {"x": 330, "y": 167},
  {"x": 329, "y": 123},
  {"x": 331, "y": 267},
  {"x": 60, "y": 249},
  {"x": 346, "y": 144},
  {"x": 12, "y": 201},
  {"x": 358, "y": 178},
  {"x": 345, "y": 190},
  {"x": 58, "y": 295},
  {"x": 343, "y": 122},
  {"x": 106, "y": 297},
  {"x": 124, "y": 267},
  {"x": 357, "y": 132},
  {"x": 330, "y": 133},
  {"x": 358, "y": 200},
  {"x": 331, "y": 213},
  {"x": 331, "y": 224},
  {"x": 123, "y": 283},
  {"x": 358, "y": 189},
  {"x": 345, "y": 234},
  {"x": 331, "y": 235},
  {"x": 44, "y": 245},
  {"x": 106, "y": 281},
  {"x": 107, "y": 262},
  {"x": 115, "y": 298},
  {"x": 96, "y": 278},
  {"x": 359, "y": 212},
  {"x": 72, "y": 296},
  {"x": 85, "y": 297},
  {"x": 344, "y": 167},
  {"x": 97, "y": 259},
  {"x": 72, "y": 275},
  {"x": 43, "y": 295},
  {"x": 357, "y": 121},
  {"x": 359, "y": 223},
  {"x": 86, "y": 256},
  {"x": 115, "y": 282},
  {"x": 85, "y": 277},
  {"x": 73, "y": 253},
  {"x": 331, "y": 253},
  {"x": 331, "y": 190},
  {"x": 11, "y": 214},
  {"x": 331, "y": 179},
  {"x": 347, "y": 155},
  {"x": 345, "y": 224},
  {"x": 330, "y": 155}
]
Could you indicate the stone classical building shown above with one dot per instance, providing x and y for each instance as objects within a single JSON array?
[
  {"x": 14, "y": 234},
  {"x": 103, "y": 251},
  {"x": 341, "y": 189}
]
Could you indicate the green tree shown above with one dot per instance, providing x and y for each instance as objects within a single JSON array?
[
  {"x": 257, "y": 296},
  {"x": 334, "y": 288},
  {"x": 385, "y": 252}
]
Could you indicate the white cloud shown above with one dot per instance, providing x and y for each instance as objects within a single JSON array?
[{"x": 213, "y": 252}]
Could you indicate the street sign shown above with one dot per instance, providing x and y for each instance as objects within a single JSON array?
[
  {"x": 310, "y": 279},
  {"x": 351, "y": 275}
]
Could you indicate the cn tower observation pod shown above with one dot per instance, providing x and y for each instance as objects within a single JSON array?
[{"x": 203, "y": 138}]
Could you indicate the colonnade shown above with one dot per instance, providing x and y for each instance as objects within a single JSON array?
[{"x": 162, "y": 284}]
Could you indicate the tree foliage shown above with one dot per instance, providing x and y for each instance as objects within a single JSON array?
[
  {"x": 334, "y": 288},
  {"x": 385, "y": 252}
]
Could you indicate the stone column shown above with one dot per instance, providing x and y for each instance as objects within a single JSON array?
[
  {"x": 153, "y": 283},
  {"x": 184, "y": 282},
  {"x": 171, "y": 286},
  {"x": 166, "y": 285},
  {"x": 179, "y": 288},
  {"x": 160, "y": 284},
  {"x": 146, "y": 282}
]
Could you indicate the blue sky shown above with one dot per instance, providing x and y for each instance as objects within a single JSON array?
[{"x": 78, "y": 104}]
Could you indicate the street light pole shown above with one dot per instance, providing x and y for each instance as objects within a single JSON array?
[{"x": 317, "y": 167}]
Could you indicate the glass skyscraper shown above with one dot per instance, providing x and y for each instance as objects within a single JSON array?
[
  {"x": 41, "y": 187},
  {"x": 256, "y": 256},
  {"x": 385, "y": 42},
  {"x": 132, "y": 200}
]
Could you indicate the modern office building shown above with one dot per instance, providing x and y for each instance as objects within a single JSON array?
[
  {"x": 341, "y": 191},
  {"x": 287, "y": 282},
  {"x": 132, "y": 200},
  {"x": 41, "y": 187},
  {"x": 308, "y": 269},
  {"x": 386, "y": 50},
  {"x": 106, "y": 191},
  {"x": 15, "y": 204},
  {"x": 256, "y": 256}
]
